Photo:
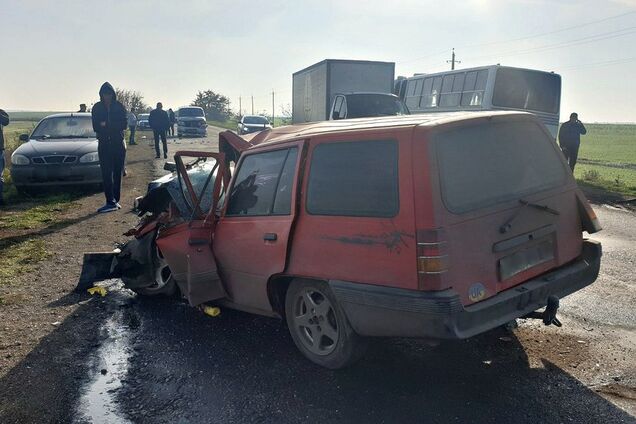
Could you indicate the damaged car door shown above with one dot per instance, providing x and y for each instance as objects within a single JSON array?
[
  {"x": 187, "y": 245},
  {"x": 251, "y": 239}
]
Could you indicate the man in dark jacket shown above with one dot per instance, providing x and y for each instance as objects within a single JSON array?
[
  {"x": 109, "y": 122},
  {"x": 159, "y": 121},
  {"x": 4, "y": 120},
  {"x": 570, "y": 139}
]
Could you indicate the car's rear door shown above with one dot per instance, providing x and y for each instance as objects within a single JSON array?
[{"x": 251, "y": 238}]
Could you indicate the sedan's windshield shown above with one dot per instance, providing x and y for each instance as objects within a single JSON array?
[
  {"x": 144, "y": 116},
  {"x": 190, "y": 111},
  {"x": 367, "y": 105},
  {"x": 255, "y": 120},
  {"x": 64, "y": 127}
]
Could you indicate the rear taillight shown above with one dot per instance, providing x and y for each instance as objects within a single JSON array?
[
  {"x": 589, "y": 221},
  {"x": 432, "y": 259}
]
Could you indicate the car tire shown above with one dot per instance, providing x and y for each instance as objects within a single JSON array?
[
  {"x": 165, "y": 284},
  {"x": 319, "y": 326}
]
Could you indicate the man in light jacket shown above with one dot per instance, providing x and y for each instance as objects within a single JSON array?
[{"x": 132, "y": 127}]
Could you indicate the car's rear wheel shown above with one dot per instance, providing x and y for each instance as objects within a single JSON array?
[
  {"x": 164, "y": 283},
  {"x": 319, "y": 327}
]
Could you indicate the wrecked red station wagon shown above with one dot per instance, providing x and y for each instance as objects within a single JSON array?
[{"x": 437, "y": 226}]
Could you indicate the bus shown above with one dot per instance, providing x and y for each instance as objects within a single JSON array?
[{"x": 493, "y": 87}]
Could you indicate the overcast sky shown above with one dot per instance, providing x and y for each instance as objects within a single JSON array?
[{"x": 55, "y": 54}]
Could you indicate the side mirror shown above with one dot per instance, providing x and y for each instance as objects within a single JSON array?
[
  {"x": 170, "y": 166},
  {"x": 24, "y": 137}
]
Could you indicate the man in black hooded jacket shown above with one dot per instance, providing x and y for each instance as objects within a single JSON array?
[{"x": 109, "y": 122}]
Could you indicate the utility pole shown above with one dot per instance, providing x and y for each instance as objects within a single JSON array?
[
  {"x": 252, "y": 104},
  {"x": 240, "y": 107},
  {"x": 272, "y": 108},
  {"x": 453, "y": 61}
]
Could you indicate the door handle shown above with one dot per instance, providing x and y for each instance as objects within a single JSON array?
[{"x": 270, "y": 237}]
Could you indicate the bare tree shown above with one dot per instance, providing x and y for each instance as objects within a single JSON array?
[
  {"x": 131, "y": 99},
  {"x": 286, "y": 114}
]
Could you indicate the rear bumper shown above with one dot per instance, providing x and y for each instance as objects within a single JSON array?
[
  {"x": 391, "y": 312},
  {"x": 53, "y": 175}
]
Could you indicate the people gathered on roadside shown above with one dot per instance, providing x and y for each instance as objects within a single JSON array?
[
  {"x": 109, "y": 123},
  {"x": 159, "y": 122},
  {"x": 4, "y": 121}
]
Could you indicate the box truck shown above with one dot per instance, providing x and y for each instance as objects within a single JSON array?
[{"x": 315, "y": 88}]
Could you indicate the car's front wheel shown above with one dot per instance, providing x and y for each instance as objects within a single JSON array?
[
  {"x": 164, "y": 283},
  {"x": 319, "y": 326}
]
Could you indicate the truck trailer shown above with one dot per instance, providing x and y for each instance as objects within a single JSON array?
[{"x": 315, "y": 87}]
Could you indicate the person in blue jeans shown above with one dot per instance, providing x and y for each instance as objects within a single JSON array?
[
  {"x": 132, "y": 127},
  {"x": 4, "y": 121},
  {"x": 109, "y": 122}
]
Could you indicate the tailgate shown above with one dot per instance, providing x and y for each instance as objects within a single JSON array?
[{"x": 507, "y": 203}]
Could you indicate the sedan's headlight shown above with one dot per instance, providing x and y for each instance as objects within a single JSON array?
[
  {"x": 19, "y": 160},
  {"x": 90, "y": 158}
]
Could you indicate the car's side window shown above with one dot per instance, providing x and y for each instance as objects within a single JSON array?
[
  {"x": 263, "y": 184},
  {"x": 282, "y": 202},
  {"x": 354, "y": 179}
]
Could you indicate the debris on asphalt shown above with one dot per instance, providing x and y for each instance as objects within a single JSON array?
[
  {"x": 212, "y": 311},
  {"x": 98, "y": 290}
]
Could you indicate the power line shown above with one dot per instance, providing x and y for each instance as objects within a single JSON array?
[
  {"x": 527, "y": 37},
  {"x": 597, "y": 64},
  {"x": 570, "y": 43}
]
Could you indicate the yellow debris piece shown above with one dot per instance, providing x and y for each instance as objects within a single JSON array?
[
  {"x": 212, "y": 311},
  {"x": 98, "y": 290}
]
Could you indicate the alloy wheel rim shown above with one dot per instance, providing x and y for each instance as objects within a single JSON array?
[{"x": 315, "y": 322}]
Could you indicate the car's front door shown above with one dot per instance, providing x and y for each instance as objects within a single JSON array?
[
  {"x": 187, "y": 246},
  {"x": 250, "y": 241}
]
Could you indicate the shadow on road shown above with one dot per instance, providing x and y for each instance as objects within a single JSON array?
[{"x": 189, "y": 368}]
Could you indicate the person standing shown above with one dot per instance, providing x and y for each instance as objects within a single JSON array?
[
  {"x": 4, "y": 121},
  {"x": 132, "y": 127},
  {"x": 173, "y": 120},
  {"x": 109, "y": 122},
  {"x": 570, "y": 139},
  {"x": 159, "y": 121}
]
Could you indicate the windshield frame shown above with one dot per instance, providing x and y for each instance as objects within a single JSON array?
[
  {"x": 247, "y": 118},
  {"x": 200, "y": 112},
  {"x": 401, "y": 107},
  {"x": 41, "y": 137}
]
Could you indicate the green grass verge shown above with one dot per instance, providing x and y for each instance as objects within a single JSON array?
[
  {"x": 37, "y": 216},
  {"x": 21, "y": 257}
]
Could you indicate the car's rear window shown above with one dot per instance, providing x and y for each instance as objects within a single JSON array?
[
  {"x": 488, "y": 163},
  {"x": 354, "y": 179}
]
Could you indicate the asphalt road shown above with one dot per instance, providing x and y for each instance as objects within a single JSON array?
[{"x": 160, "y": 361}]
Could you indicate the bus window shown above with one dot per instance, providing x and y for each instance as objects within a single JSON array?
[
  {"x": 437, "y": 85},
  {"x": 413, "y": 99},
  {"x": 521, "y": 89},
  {"x": 452, "y": 90},
  {"x": 474, "y": 88},
  {"x": 425, "y": 100}
]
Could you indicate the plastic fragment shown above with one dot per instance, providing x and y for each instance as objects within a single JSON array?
[
  {"x": 98, "y": 290},
  {"x": 212, "y": 311}
]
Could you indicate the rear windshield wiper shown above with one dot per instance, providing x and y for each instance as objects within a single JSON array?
[{"x": 508, "y": 224}]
